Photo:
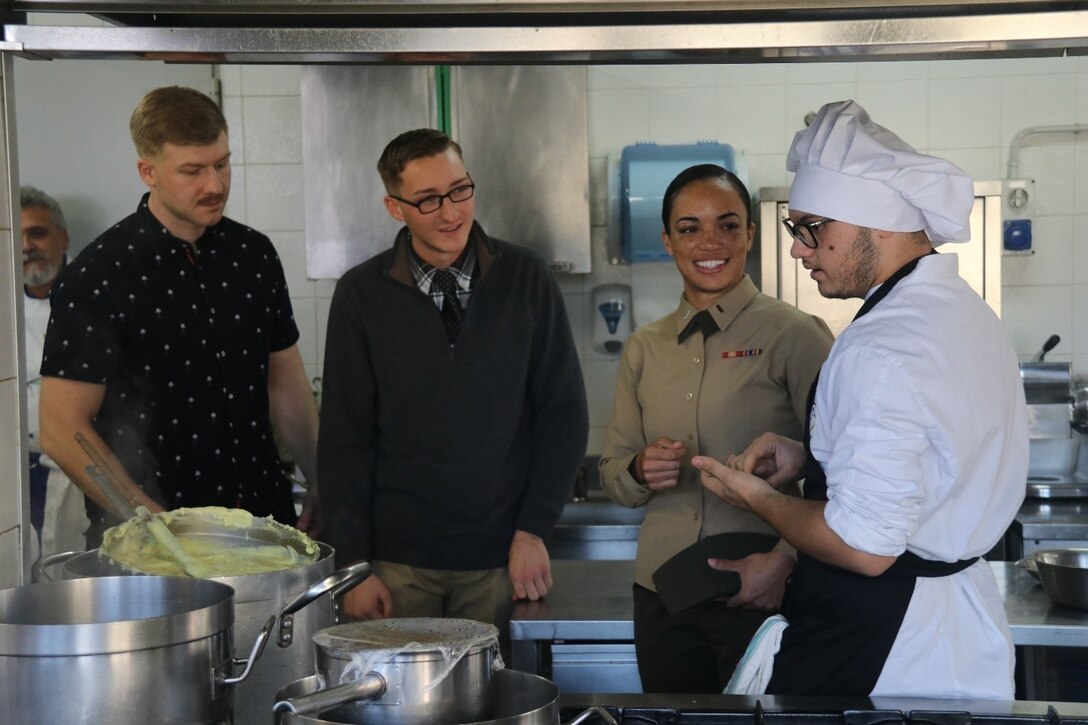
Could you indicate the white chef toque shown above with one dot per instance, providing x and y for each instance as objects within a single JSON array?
[{"x": 853, "y": 170}]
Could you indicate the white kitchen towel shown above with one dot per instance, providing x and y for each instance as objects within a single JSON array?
[{"x": 754, "y": 671}]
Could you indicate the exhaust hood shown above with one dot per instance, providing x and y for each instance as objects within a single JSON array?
[{"x": 548, "y": 31}]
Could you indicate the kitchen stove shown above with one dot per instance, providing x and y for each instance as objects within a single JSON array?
[{"x": 734, "y": 710}]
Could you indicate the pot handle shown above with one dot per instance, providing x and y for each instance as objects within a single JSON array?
[
  {"x": 39, "y": 572},
  {"x": 258, "y": 648},
  {"x": 336, "y": 583},
  {"x": 371, "y": 686},
  {"x": 600, "y": 712}
]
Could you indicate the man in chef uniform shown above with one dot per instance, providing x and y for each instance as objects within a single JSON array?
[
  {"x": 916, "y": 447},
  {"x": 57, "y": 510}
]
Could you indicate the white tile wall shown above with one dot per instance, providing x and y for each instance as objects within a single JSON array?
[
  {"x": 8, "y": 361},
  {"x": 11, "y": 453},
  {"x": 967, "y": 110},
  {"x": 272, "y": 128},
  {"x": 11, "y": 552}
]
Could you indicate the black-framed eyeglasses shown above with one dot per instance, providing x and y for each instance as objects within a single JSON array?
[
  {"x": 806, "y": 232},
  {"x": 431, "y": 204}
]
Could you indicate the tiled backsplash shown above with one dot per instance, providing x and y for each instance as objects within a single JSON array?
[{"x": 967, "y": 110}]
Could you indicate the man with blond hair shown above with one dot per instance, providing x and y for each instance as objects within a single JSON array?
[{"x": 172, "y": 345}]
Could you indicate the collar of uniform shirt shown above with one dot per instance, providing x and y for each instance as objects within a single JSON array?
[{"x": 462, "y": 269}]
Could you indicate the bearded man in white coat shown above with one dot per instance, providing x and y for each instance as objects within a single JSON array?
[
  {"x": 57, "y": 508},
  {"x": 916, "y": 448}
]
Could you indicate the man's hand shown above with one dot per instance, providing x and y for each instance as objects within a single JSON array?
[
  {"x": 529, "y": 568},
  {"x": 736, "y": 487},
  {"x": 308, "y": 520},
  {"x": 369, "y": 600},
  {"x": 776, "y": 459},
  {"x": 762, "y": 579},
  {"x": 658, "y": 464}
]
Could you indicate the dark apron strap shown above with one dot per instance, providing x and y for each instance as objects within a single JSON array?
[
  {"x": 842, "y": 625},
  {"x": 39, "y": 478}
]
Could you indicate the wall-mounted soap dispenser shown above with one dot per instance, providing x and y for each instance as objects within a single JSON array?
[{"x": 611, "y": 317}]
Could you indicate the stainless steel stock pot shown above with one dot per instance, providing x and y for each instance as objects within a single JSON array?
[
  {"x": 119, "y": 650},
  {"x": 411, "y": 671},
  {"x": 302, "y": 596}
]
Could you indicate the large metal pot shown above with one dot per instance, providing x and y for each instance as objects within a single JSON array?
[
  {"x": 302, "y": 613},
  {"x": 517, "y": 698},
  {"x": 120, "y": 650},
  {"x": 412, "y": 671}
]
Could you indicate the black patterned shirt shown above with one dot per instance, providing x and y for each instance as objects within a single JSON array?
[{"x": 181, "y": 339}]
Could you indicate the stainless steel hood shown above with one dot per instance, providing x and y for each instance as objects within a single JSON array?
[{"x": 551, "y": 31}]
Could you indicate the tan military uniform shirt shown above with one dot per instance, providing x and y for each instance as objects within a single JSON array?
[{"x": 715, "y": 396}]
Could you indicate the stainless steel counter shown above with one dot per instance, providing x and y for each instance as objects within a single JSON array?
[
  {"x": 1054, "y": 520},
  {"x": 591, "y": 602}
]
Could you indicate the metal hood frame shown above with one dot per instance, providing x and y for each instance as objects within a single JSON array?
[{"x": 550, "y": 31}]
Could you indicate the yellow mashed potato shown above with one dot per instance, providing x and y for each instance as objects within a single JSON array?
[{"x": 223, "y": 542}]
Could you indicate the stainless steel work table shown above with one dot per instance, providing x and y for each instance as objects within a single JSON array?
[
  {"x": 591, "y": 602},
  {"x": 1054, "y": 520}
]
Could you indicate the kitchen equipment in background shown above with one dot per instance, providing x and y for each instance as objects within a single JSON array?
[
  {"x": 349, "y": 114},
  {"x": 1016, "y": 231},
  {"x": 124, "y": 650},
  {"x": 611, "y": 317},
  {"x": 781, "y": 276},
  {"x": 645, "y": 172},
  {"x": 1054, "y": 449},
  {"x": 1050, "y": 344}
]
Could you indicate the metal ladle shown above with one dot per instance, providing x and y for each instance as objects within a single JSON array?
[{"x": 103, "y": 475}]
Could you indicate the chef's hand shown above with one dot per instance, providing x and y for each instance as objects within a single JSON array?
[
  {"x": 658, "y": 464},
  {"x": 776, "y": 459},
  {"x": 530, "y": 568},
  {"x": 762, "y": 579},
  {"x": 735, "y": 486},
  {"x": 308, "y": 520},
  {"x": 369, "y": 600}
]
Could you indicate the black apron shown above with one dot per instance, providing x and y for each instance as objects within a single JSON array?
[{"x": 842, "y": 625}]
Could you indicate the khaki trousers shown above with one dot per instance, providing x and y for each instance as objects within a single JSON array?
[{"x": 485, "y": 595}]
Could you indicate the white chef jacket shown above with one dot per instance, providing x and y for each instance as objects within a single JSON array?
[
  {"x": 921, "y": 427},
  {"x": 65, "y": 515}
]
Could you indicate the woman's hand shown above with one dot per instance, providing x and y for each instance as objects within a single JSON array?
[{"x": 658, "y": 464}]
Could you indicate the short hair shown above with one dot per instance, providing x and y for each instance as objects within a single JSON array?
[
  {"x": 30, "y": 196},
  {"x": 177, "y": 115},
  {"x": 701, "y": 172},
  {"x": 409, "y": 146}
]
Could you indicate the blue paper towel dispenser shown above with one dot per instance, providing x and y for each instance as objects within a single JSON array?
[{"x": 645, "y": 171}]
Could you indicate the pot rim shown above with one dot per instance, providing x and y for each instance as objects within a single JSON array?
[
  {"x": 247, "y": 587},
  {"x": 105, "y": 615}
]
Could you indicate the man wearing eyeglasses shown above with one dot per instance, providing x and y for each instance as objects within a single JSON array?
[
  {"x": 454, "y": 409},
  {"x": 916, "y": 448}
]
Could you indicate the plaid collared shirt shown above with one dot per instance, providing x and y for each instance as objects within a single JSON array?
[{"x": 462, "y": 270}]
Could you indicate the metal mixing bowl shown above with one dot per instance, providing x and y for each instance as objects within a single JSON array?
[{"x": 1064, "y": 574}]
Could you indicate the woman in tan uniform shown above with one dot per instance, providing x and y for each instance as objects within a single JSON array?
[{"x": 728, "y": 364}]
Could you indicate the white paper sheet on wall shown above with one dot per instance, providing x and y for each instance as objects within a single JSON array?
[{"x": 655, "y": 290}]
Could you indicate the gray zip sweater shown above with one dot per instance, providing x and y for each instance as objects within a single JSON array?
[{"x": 432, "y": 455}]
